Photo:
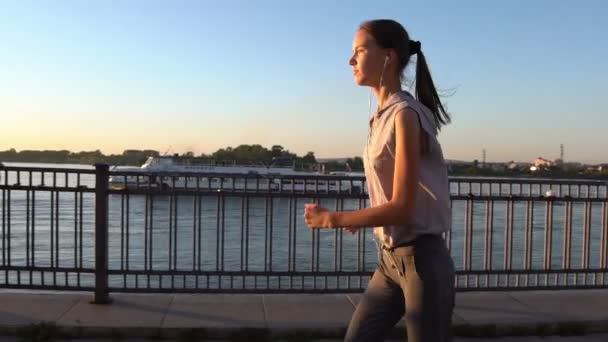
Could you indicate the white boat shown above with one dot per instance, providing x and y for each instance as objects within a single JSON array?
[{"x": 171, "y": 172}]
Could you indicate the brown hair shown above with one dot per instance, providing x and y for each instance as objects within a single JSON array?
[{"x": 389, "y": 34}]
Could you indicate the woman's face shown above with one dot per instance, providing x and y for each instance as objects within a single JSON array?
[{"x": 368, "y": 59}]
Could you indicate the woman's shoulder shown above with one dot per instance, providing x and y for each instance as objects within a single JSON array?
[{"x": 407, "y": 101}]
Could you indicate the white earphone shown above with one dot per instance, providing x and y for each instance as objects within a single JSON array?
[{"x": 386, "y": 59}]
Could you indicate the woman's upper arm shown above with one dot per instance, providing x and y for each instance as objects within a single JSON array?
[{"x": 407, "y": 159}]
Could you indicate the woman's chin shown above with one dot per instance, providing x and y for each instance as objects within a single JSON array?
[{"x": 359, "y": 81}]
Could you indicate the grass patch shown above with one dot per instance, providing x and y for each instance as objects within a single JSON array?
[
  {"x": 570, "y": 329},
  {"x": 250, "y": 334},
  {"x": 191, "y": 335},
  {"x": 543, "y": 330},
  {"x": 41, "y": 332},
  {"x": 467, "y": 330}
]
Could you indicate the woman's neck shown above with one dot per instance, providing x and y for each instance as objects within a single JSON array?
[{"x": 387, "y": 89}]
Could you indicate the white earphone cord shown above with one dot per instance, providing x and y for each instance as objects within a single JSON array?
[{"x": 369, "y": 101}]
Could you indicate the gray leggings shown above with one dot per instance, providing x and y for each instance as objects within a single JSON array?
[{"x": 419, "y": 277}]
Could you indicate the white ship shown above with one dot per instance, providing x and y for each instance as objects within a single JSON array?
[{"x": 173, "y": 173}]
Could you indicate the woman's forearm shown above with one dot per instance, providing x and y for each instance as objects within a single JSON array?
[{"x": 383, "y": 215}]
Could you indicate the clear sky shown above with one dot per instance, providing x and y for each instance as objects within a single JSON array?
[{"x": 524, "y": 76}]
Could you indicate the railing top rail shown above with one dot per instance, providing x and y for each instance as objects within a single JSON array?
[
  {"x": 452, "y": 179},
  {"x": 233, "y": 175},
  {"x": 557, "y": 181},
  {"x": 47, "y": 169},
  {"x": 39, "y": 187}
]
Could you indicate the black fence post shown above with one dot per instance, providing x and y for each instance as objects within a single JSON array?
[{"x": 102, "y": 175}]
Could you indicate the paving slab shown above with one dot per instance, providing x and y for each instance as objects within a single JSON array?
[
  {"x": 304, "y": 311},
  {"x": 215, "y": 311},
  {"x": 571, "y": 305},
  {"x": 125, "y": 311},
  {"x": 20, "y": 309},
  {"x": 481, "y": 308}
]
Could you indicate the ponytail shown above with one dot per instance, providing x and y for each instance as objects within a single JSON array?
[{"x": 426, "y": 92}]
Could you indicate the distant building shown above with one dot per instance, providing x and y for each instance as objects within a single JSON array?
[
  {"x": 457, "y": 162},
  {"x": 329, "y": 160},
  {"x": 498, "y": 167},
  {"x": 541, "y": 162},
  {"x": 573, "y": 166}
]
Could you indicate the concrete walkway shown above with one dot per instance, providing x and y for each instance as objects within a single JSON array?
[
  {"x": 290, "y": 317},
  {"x": 583, "y": 338}
]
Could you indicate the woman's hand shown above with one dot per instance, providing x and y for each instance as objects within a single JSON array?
[{"x": 317, "y": 216}]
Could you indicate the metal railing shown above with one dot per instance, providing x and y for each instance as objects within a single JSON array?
[
  {"x": 47, "y": 228},
  {"x": 72, "y": 229}
]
